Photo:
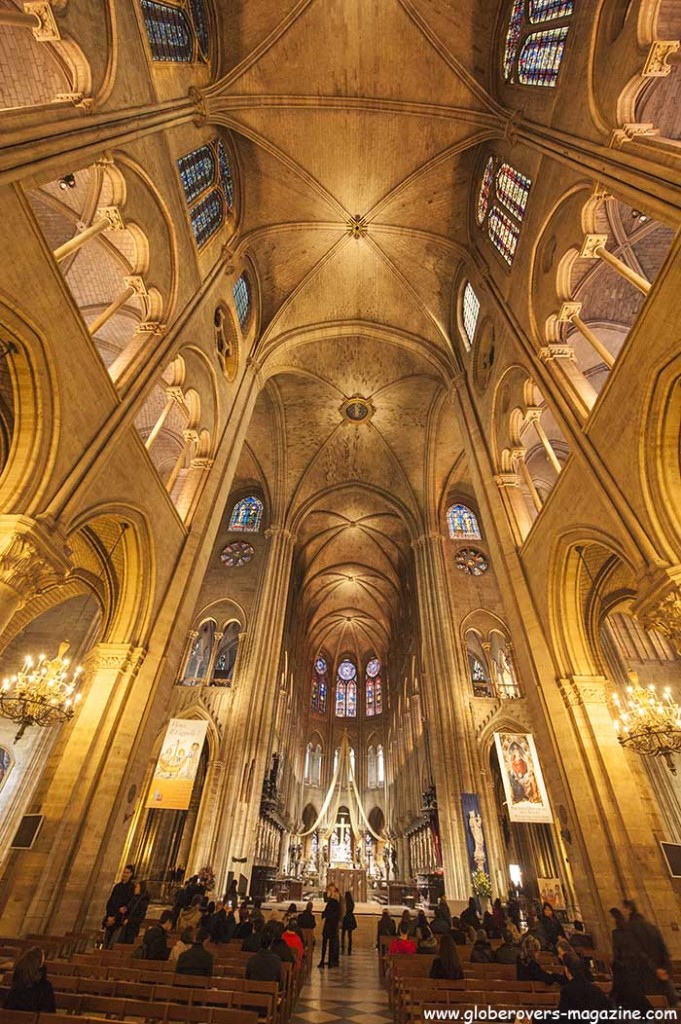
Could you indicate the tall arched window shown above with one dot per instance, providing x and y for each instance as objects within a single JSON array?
[
  {"x": 198, "y": 660},
  {"x": 313, "y": 764},
  {"x": 501, "y": 205},
  {"x": 320, "y": 685},
  {"x": 373, "y": 691},
  {"x": 462, "y": 523},
  {"x": 533, "y": 53},
  {"x": 246, "y": 515},
  {"x": 225, "y": 657},
  {"x": 242, "y": 299},
  {"x": 470, "y": 309},
  {"x": 177, "y": 30},
  {"x": 346, "y": 690},
  {"x": 351, "y": 766},
  {"x": 372, "y": 774},
  {"x": 208, "y": 188},
  {"x": 380, "y": 766}
]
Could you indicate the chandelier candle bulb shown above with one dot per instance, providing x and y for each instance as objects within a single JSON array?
[{"x": 41, "y": 693}]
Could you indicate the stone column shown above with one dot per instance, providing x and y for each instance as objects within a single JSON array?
[
  {"x": 444, "y": 686},
  {"x": 175, "y": 395},
  {"x": 134, "y": 286},
  {"x": 569, "y": 313},
  {"x": 37, "y": 16},
  {"x": 248, "y": 733},
  {"x": 207, "y": 823},
  {"x": 106, "y": 218},
  {"x": 534, "y": 417},
  {"x": 518, "y": 455},
  {"x": 519, "y": 518},
  {"x": 594, "y": 248},
  {"x": 31, "y": 559},
  {"x": 562, "y": 365},
  {"x": 49, "y": 888}
]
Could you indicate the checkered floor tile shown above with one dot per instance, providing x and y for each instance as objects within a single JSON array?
[{"x": 348, "y": 994}]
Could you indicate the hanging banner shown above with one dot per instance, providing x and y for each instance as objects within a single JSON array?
[
  {"x": 522, "y": 777},
  {"x": 551, "y": 891},
  {"x": 475, "y": 837},
  {"x": 178, "y": 763}
]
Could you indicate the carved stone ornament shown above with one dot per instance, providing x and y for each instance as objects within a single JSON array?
[
  {"x": 550, "y": 352},
  {"x": 580, "y": 690},
  {"x": 656, "y": 65},
  {"x": 591, "y": 244},
  {"x": 665, "y": 617},
  {"x": 113, "y": 215},
  {"x": 46, "y": 31},
  {"x": 28, "y": 562},
  {"x": 115, "y": 657},
  {"x": 628, "y": 132}
]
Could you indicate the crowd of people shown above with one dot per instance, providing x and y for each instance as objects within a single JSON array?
[{"x": 641, "y": 964}]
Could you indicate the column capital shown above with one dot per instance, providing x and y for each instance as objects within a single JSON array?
[
  {"x": 549, "y": 352},
  {"x": 533, "y": 414},
  {"x": 628, "y": 132},
  {"x": 113, "y": 215},
  {"x": 656, "y": 65},
  {"x": 659, "y": 604},
  {"x": 136, "y": 282},
  {"x": 591, "y": 243},
  {"x": 150, "y": 327},
  {"x": 571, "y": 309},
  {"x": 280, "y": 531},
  {"x": 578, "y": 691},
  {"x": 123, "y": 658},
  {"x": 424, "y": 539},
  {"x": 518, "y": 454},
  {"x": 46, "y": 31},
  {"x": 506, "y": 480},
  {"x": 203, "y": 463},
  {"x": 32, "y": 558}
]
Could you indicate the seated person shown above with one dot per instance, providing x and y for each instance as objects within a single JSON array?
[
  {"x": 154, "y": 944},
  {"x": 244, "y": 927},
  {"x": 507, "y": 952},
  {"x": 447, "y": 964},
  {"x": 528, "y": 967},
  {"x": 277, "y": 943},
  {"x": 256, "y": 912},
  {"x": 579, "y": 993},
  {"x": 458, "y": 933},
  {"x": 386, "y": 925},
  {"x": 293, "y": 939},
  {"x": 402, "y": 943},
  {"x": 307, "y": 918},
  {"x": 183, "y": 943},
  {"x": 31, "y": 991},
  {"x": 265, "y": 965},
  {"x": 579, "y": 938},
  {"x": 196, "y": 959},
  {"x": 253, "y": 942},
  {"x": 481, "y": 952}
]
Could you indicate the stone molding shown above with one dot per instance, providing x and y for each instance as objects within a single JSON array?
[
  {"x": 660, "y": 607},
  {"x": 31, "y": 560},
  {"x": 578, "y": 691},
  {"x": 123, "y": 658},
  {"x": 656, "y": 65}
]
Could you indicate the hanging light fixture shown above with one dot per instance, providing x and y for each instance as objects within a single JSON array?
[
  {"x": 647, "y": 722},
  {"x": 43, "y": 692}
]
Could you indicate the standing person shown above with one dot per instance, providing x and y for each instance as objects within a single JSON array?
[
  {"x": 349, "y": 923},
  {"x": 30, "y": 991},
  {"x": 654, "y": 954},
  {"x": 442, "y": 910},
  {"x": 498, "y": 915},
  {"x": 513, "y": 909},
  {"x": 628, "y": 966},
  {"x": 196, "y": 960},
  {"x": 137, "y": 911},
  {"x": 232, "y": 896},
  {"x": 331, "y": 915},
  {"x": 117, "y": 905}
]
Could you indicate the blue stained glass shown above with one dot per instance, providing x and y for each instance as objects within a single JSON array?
[
  {"x": 319, "y": 687},
  {"x": 540, "y": 57},
  {"x": 247, "y": 515},
  {"x": 503, "y": 234},
  {"x": 373, "y": 668},
  {"x": 242, "y": 300},
  {"x": 169, "y": 32},
  {"x": 207, "y": 216},
  {"x": 369, "y": 698},
  {"x": 322, "y": 697},
  {"x": 226, "y": 176},
  {"x": 513, "y": 34},
  {"x": 351, "y": 700},
  {"x": 197, "y": 172},
  {"x": 340, "y": 699},
  {"x": 485, "y": 187},
  {"x": 513, "y": 189},
  {"x": 548, "y": 10},
  {"x": 462, "y": 523},
  {"x": 198, "y": 12},
  {"x": 346, "y": 670}
]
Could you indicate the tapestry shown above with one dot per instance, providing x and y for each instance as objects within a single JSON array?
[
  {"x": 178, "y": 763},
  {"x": 475, "y": 836},
  {"x": 521, "y": 773}
]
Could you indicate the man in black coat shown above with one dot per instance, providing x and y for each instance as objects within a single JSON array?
[
  {"x": 154, "y": 944},
  {"x": 332, "y": 916},
  {"x": 579, "y": 993},
  {"x": 117, "y": 905},
  {"x": 655, "y": 959},
  {"x": 196, "y": 960}
]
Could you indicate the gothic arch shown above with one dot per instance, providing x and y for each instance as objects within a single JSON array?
[{"x": 660, "y": 446}]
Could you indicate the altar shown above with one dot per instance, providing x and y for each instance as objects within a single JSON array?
[{"x": 352, "y": 880}]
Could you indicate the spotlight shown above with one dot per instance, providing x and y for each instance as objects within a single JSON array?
[
  {"x": 68, "y": 181},
  {"x": 637, "y": 215}
]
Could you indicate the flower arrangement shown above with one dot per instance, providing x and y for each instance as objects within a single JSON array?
[
  {"x": 482, "y": 885},
  {"x": 207, "y": 877}
]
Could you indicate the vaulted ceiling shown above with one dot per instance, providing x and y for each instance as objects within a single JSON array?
[{"x": 374, "y": 112}]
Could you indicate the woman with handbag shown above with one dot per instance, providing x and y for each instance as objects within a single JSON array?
[{"x": 349, "y": 923}]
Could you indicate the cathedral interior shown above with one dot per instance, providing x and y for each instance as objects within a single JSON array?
[{"x": 340, "y": 419}]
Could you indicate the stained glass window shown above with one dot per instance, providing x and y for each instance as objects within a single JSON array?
[
  {"x": 540, "y": 57},
  {"x": 237, "y": 554},
  {"x": 197, "y": 172},
  {"x": 513, "y": 189},
  {"x": 207, "y": 216},
  {"x": 470, "y": 308},
  {"x": 485, "y": 186},
  {"x": 547, "y": 10},
  {"x": 226, "y": 176},
  {"x": 471, "y": 561},
  {"x": 462, "y": 523},
  {"x": 247, "y": 515},
  {"x": 169, "y": 32},
  {"x": 503, "y": 234},
  {"x": 513, "y": 35},
  {"x": 242, "y": 299},
  {"x": 320, "y": 682},
  {"x": 198, "y": 13},
  {"x": 346, "y": 690},
  {"x": 373, "y": 695}
]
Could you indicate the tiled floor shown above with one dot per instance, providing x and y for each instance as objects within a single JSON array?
[{"x": 348, "y": 994}]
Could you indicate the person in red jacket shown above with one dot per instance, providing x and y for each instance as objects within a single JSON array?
[
  {"x": 402, "y": 943},
  {"x": 293, "y": 939}
]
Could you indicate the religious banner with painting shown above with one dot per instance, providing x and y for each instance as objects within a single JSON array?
[
  {"x": 178, "y": 763},
  {"x": 551, "y": 891},
  {"x": 475, "y": 836},
  {"x": 522, "y": 777}
]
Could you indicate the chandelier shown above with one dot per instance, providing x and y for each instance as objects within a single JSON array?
[
  {"x": 649, "y": 723},
  {"x": 41, "y": 693}
]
